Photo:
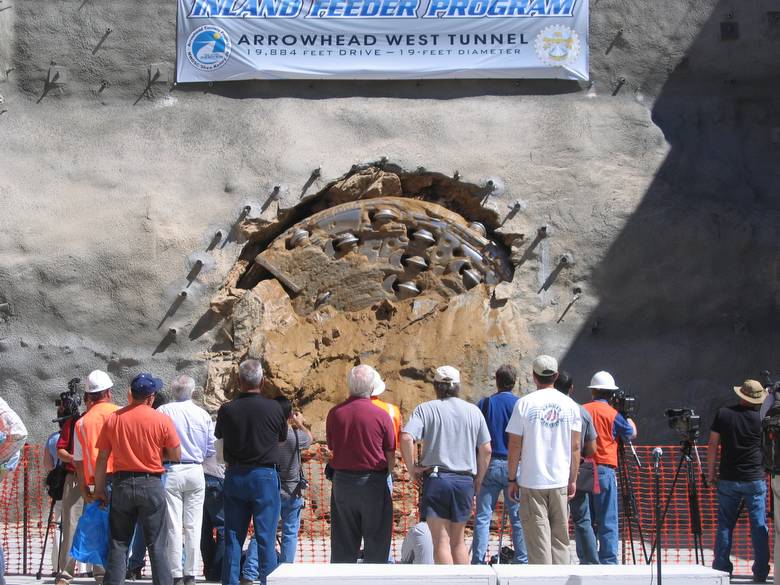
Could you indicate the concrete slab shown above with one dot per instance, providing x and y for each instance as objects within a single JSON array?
[
  {"x": 607, "y": 574},
  {"x": 379, "y": 574}
]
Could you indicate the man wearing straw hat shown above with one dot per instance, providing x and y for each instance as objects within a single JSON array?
[{"x": 737, "y": 430}]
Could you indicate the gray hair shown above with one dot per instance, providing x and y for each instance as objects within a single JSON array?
[
  {"x": 182, "y": 388},
  {"x": 361, "y": 381},
  {"x": 250, "y": 374}
]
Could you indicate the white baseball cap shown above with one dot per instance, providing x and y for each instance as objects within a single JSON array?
[
  {"x": 602, "y": 381},
  {"x": 98, "y": 381},
  {"x": 447, "y": 374},
  {"x": 545, "y": 365},
  {"x": 378, "y": 385}
]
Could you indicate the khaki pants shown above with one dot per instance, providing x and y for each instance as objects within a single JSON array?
[
  {"x": 72, "y": 506},
  {"x": 545, "y": 518},
  {"x": 776, "y": 496}
]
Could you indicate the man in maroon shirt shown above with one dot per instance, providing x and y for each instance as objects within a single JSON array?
[{"x": 362, "y": 440}]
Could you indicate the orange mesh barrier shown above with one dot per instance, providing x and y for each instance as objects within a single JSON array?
[{"x": 24, "y": 506}]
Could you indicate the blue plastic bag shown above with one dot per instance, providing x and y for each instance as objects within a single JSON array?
[{"x": 90, "y": 542}]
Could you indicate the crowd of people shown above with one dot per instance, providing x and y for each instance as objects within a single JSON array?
[{"x": 184, "y": 487}]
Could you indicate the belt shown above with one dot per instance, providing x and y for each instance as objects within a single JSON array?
[
  {"x": 182, "y": 462},
  {"x": 499, "y": 457},
  {"x": 606, "y": 465},
  {"x": 363, "y": 472},
  {"x": 127, "y": 474},
  {"x": 252, "y": 465},
  {"x": 443, "y": 470}
]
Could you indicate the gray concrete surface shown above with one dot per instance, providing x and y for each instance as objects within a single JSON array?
[{"x": 663, "y": 187}]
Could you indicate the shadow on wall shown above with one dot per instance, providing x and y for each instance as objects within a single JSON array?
[
  {"x": 688, "y": 292},
  {"x": 439, "y": 89}
]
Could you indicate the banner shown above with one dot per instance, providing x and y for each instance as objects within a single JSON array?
[{"x": 222, "y": 40}]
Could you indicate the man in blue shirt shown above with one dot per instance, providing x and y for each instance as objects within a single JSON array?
[{"x": 497, "y": 410}]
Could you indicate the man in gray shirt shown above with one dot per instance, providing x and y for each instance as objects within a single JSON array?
[
  {"x": 455, "y": 455},
  {"x": 584, "y": 537}
]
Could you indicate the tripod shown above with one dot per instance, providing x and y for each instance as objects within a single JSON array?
[
  {"x": 694, "y": 514},
  {"x": 629, "y": 504},
  {"x": 46, "y": 538}
]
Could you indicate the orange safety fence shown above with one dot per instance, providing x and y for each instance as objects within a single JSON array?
[{"x": 24, "y": 506}]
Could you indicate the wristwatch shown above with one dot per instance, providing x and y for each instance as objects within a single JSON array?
[{"x": 512, "y": 481}]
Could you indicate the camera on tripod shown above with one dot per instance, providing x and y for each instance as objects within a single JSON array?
[
  {"x": 69, "y": 401},
  {"x": 685, "y": 421},
  {"x": 624, "y": 403},
  {"x": 770, "y": 428}
]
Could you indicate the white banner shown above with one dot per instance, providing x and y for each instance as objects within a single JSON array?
[{"x": 222, "y": 40}]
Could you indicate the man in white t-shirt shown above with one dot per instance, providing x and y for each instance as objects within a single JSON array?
[{"x": 544, "y": 456}]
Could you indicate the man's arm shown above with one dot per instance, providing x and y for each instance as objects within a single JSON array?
[
  {"x": 483, "y": 460},
  {"x": 514, "y": 456},
  {"x": 589, "y": 449},
  {"x": 169, "y": 454},
  {"x": 82, "y": 482},
  {"x": 712, "y": 456},
  {"x": 574, "y": 465},
  {"x": 100, "y": 476},
  {"x": 64, "y": 456},
  {"x": 408, "y": 453}
]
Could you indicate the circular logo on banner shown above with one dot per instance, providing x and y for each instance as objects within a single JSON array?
[
  {"x": 557, "y": 45},
  {"x": 208, "y": 47}
]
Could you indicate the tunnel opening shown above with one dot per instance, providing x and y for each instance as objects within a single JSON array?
[{"x": 381, "y": 266}]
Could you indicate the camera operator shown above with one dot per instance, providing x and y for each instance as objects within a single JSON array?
[
  {"x": 737, "y": 429},
  {"x": 72, "y": 503},
  {"x": 611, "y": 426}
]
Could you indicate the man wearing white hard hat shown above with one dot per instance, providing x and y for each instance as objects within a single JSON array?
[
  {"x": 97, "y": 398},
  {"x": 611, "y": 427},
  {"x": 455, "y": 456},
  {"x": 543, "y": 460}
]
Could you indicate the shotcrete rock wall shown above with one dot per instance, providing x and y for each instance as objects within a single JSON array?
[{"x": 658, "y": 181}]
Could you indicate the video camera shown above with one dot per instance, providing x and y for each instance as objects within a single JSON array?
[
  {"x": 69, "y": 402},
  {"x": 685, "y": 421},
  {"x": 624, "y": 403},
  {"x": 770, "y": 428}
]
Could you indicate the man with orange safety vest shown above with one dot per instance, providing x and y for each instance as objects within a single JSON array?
[
  {"x": 97, "y": 398},
  {"x": 611, "y": 427}
]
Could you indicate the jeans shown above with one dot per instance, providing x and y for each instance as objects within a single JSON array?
[
  {"x": 137, "y": 549},
  {"x": 496, "y": 480},
  {"x": 605, "y": 506},
  {"x": 212, "y": 548},
  {"x": 587, "y": 550},
  {"x": 250, "y": 493},
  {"x": 291, "y": 521},
  {"x": 730, "y": 495},
  {"x": 2, "y": 565},
  {"x": 135, "y": 498},
  {"x": 185, "y": 490}
]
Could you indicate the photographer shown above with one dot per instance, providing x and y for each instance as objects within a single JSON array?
[
  {"x": 72, "y": 503},
  {"x": 737, "y": 429},
  {"x": 611, "y": 426}
]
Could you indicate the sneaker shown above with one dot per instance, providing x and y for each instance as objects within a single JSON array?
[
  {"x": 246, "y": 581},
  {"x": 178, "y": 581},
  {"x": 189, "y": 580},
  {"x": 62, "y": 581},
  {"x": 757, "y": 579}
]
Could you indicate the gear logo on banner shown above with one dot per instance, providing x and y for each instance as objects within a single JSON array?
[
  {"x": 208, "y": 47},
  {"x": 557, "y": 45}
]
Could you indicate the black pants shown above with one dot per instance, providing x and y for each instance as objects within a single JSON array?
[
  {"x": 213, "y": 549},
  {"x": 360, "y": 507},
  {"x": 137, "y": 498}
]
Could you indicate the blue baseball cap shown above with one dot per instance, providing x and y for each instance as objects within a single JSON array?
[{"x": 145, "y": 384}]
